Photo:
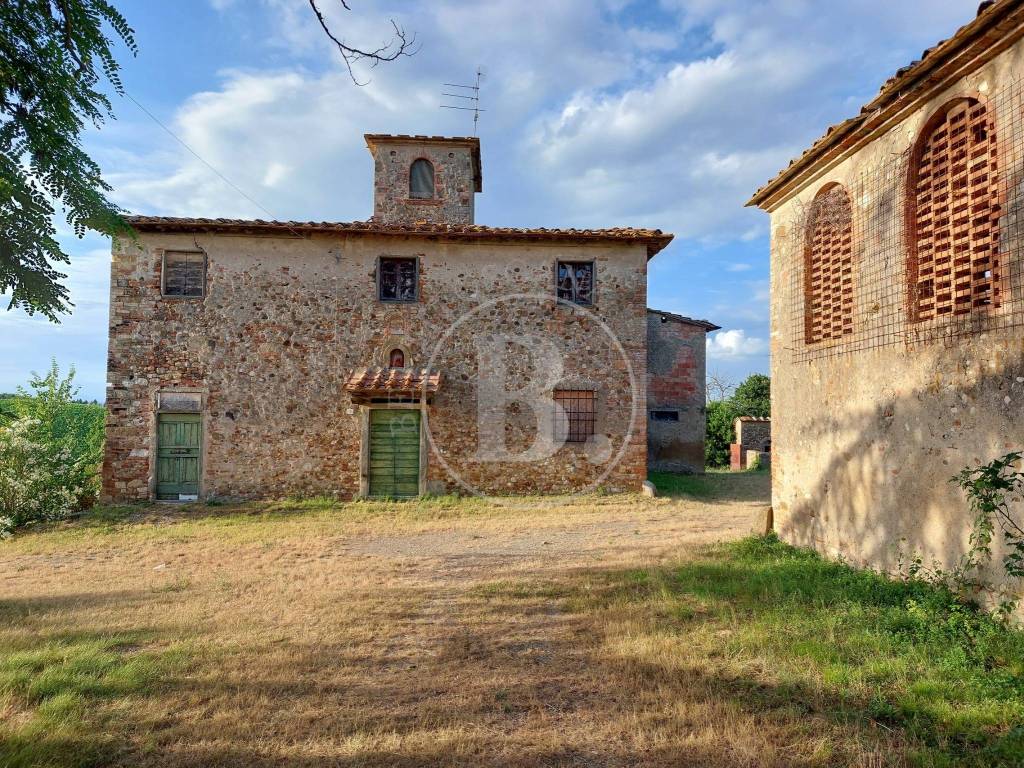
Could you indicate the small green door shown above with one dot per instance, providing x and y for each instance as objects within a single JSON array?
[
  {"x": 394, "y": 455},
  {"x": 179, "y": 437}
]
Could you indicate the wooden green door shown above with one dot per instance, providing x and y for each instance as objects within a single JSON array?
[
  {"x": 394, "y": 455},
  {"x": 179, "y": 437}
]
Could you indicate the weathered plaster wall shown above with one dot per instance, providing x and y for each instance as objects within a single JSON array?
[
  {"x": 865, "y": 442},
  {"x": 676, "y": 354},
  {"x": 453, "y": 201},
  {"x": 285, "y": 320}
]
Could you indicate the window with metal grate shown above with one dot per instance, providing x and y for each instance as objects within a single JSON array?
[
  {"x": 953, "y": 214},
  {"x": 578, "y": 413},
  {"x": 828, "y": 266}
]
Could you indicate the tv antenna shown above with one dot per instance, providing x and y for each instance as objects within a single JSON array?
[{"x": 473, "y": 98}]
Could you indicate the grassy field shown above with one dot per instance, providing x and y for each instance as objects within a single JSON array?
[{"x": 594, "y": 631}]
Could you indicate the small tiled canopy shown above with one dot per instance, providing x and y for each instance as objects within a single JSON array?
[{"x": 365, "y": 384}]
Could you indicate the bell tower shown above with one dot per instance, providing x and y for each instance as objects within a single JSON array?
[{"x": 429, "y": 179}]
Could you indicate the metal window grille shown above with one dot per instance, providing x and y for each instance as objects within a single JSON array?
[
  {"x": 828, "y": 281},
  {"x": 974, "y": 260},
  {"x": 184, "y": 274},
  {"x": 575, "y": 281},
  {"x": 954, "y": 265},
  {"x": 578, "y": 413},
  {"x": 397, "y": 281}
]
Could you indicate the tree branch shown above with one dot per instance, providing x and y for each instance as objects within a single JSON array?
[{"x": 401, "y": 44}]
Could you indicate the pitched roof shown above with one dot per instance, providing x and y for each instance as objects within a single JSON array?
[
  {"x": 999, "y": 24},
  {"x": 654, "y": 239},
  {"x": 683, "y": 319},
  {"x": 403, "y": 138}
]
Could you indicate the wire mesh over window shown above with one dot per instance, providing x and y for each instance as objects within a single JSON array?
[
  {"x": 184, "y": 273},
  {"x": 397, "y": 280},
  {"x": 953, "y": 264},
  {"x": 575, "y": 281},
  {"x": 578, "y": 413},
  {"x": 828, "y": 269},
  {"x": 421, "y": 180}
]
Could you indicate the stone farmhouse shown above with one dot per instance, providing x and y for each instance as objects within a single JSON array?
[
  {"x": 415, "y": 352},
  {"x": 898, "y": 303}
]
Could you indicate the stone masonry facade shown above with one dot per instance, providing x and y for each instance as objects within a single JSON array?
[
  {"x": 289, "y": 310},
  {"x": 676, "y": 392},
  {"x": 457, "y": 176}
]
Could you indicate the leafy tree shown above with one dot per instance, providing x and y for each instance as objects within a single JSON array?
[
  {"x": 720, "y": 417},
  {"x": 753, "y": 396},
  {"x": 55, "y": 56}
]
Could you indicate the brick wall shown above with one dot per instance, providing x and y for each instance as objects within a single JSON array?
[{"x": 675, "y": 384}]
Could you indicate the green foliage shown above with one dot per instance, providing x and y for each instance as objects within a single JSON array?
[
  {"x": 719, "y": 433},
  {"x": 991, "y": 490},
  {"x": 54, "y": 58},
  {"x": 49, "y": 452},
  {"x": 853, "y": 646},
  {"x": 753, "y": 396}
]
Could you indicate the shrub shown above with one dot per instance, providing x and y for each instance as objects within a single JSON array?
[
  {"x": 719, "y": 435},
  {"x": 50, "y": 449},
  {"x": 37, "y": 480}
]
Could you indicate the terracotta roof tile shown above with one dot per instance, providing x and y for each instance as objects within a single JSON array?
[
  {"x": 996, "y": 20},
  {"x": 377, "y": 380},
  {"x": 654, "y": 239}
]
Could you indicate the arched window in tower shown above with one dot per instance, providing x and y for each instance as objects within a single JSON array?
[
  {"x": 953, "y": 211},
  {"x": 397, "y": 358},
  {"x": 828, "y": 266},
  {"x": 421, "y": 180}
]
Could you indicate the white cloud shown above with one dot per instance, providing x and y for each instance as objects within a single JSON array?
[
  {"x": 735, "y": 343},
  {"x": 738, "y": 267}
]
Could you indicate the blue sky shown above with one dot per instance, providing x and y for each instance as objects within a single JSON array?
[{"x": 663, "y": 113}]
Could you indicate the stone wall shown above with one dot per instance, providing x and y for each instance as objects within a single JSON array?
[
  {"x": 454, "y": 181},
  {"x": 286, "y": 319},
  {"x": 676, "y": 352},
  {"x": 866, "y": 439}
]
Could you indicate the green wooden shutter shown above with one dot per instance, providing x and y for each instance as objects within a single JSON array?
[
  {"x": 394, "y": 453},
  {"x": 179, "y": 438}
]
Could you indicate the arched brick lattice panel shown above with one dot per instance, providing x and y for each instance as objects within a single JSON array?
[
  {"x": 828, "y": 267},
  {"x": 953, "y": 214}
]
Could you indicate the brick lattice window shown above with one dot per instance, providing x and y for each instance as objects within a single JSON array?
[
  {"x": 953, "y": 215},
  {"x": 397, "y": 279},
  {"x": 828, "y": 269},
  {"x": 578, "y": 415},
  {"x": 575, "y": 281},
  {"x": 184, "y": 274}
]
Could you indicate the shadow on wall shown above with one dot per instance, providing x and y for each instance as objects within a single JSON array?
[{"x": 884, "y": 492}]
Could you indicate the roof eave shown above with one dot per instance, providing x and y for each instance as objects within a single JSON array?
[{"x": 904, "y": 93}]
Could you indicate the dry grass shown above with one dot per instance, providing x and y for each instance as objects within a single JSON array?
[{"x": 442, "y": 632}]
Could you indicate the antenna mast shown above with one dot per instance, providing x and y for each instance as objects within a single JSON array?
[{"x": 474, "y": 98}]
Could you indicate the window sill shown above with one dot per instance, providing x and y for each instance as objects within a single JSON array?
[{"x": 433, "y": 201}]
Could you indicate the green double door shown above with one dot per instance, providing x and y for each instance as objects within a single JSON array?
[
  {"x": 179, "y": 439},
  {"x": 394, "y": 455}
]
